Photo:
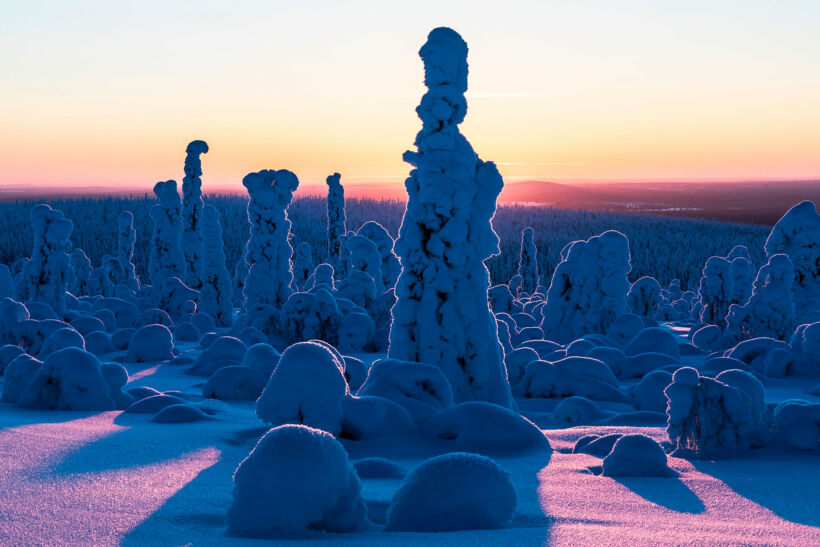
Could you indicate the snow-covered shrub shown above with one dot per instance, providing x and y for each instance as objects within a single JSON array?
[
  {"x": 356, "y": 332},
  {"x": 654, "y": 339},
  {"x": 60, "y": 339},
  {"x": 765, "y": 355},
  {"x": 69, "y": 379},
  {"x": 166, "y": 259},
  {"x": 708, "y": 418},
  {"x": 457, "y": 491},
  {"x": 261, "y": 357},
  {"x": 12, "y": 315},
  {"x": 644, "y": 297},
  {"x": 582, "y": 376},
  {"x": 578, "y": 410},
  {"x": 98, "y": 343},
  {"x": 18, "y": 374},
  {"x": 192, "y": 205},
  {"x": 295, "y": 480},
  {"x": 715, "y": 286},
  {"x": 215, "y": 280},
  {"x": 150, "y": 343},
  {"x": 649, "y": 393},
  {"x": 797, "y": 235},
  {"x": 390, "y": 266},
  {"x": 99, "y": 280},
  {"x": 46, "y": 276},
  {"x": 307, "y": 387},
  {"x": 364, "y": 256},
  {"x": 770, "y": 309},
  {"x": 176, "y": 298},
  {"x": 420, "y": 388},
  {"x": 502, "y": 300},
  {"x": 7, "y": 289},
  {"x": 9, "y": 353},
  {"x": 235, "y": 383},
  {"x": 516, "y": 361},
  {"x": 335, "y": 217},
  {"x": 179, "y": 413},
  {"x": 379, "y": 468},
  {"x": 528, "y": 263},
  {"x": 798, "y": 423},
  {"x": 309, "y": 316},
  {"x": 741, "y": 277},
  {"x": 186, "y": 332},
  {"x": 441, "y": 314},
  {"x": 302, "y": 265},
  {"x": 82, "y": 269},
  {"x": 358, "y": 287},
  {"x": 636, "y": 455},
  {"x": 268, "y": 251},
  {"x": 225, "y": 351},
  {"x": 588, "y": 289}
]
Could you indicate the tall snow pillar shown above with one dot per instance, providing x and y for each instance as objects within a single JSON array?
[
  {"x": 335, "y": 218},
  {"x": 442, "y": 315},
  {"x": 192, "y": 205},
  {"x": 528, "y": 263},
  {"x": 166, "y": 258}
]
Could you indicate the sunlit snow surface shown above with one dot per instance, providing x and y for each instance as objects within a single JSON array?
[{"x": 112, "y": 477}]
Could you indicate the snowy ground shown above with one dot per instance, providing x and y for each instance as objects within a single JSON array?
[{"x": 111, "y": 477}]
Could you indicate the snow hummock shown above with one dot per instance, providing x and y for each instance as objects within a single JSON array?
[
  {"x": 636, "y": 455},
  {"x": 441, "y": 315}
]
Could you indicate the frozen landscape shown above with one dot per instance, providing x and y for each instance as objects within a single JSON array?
[{"x": 201, "y": 369}]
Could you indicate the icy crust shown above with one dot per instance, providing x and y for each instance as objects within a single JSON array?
[
  {"x": 458, "y": 491},
  {"x": 335, "y": 217},
  {"x": 166, "y": 259},
  {"x": 215, "y": 280},
  {"x": 714, "y": 417},
  {"x": 268, "y": 253},
  {"x": 192, "y": 205},
  {"x": 588, "y": 289},
  {"x": 797, "y": 235},
  {"x": 297, "y": 480},
  {"x": 769, "y": 311},
  {"x": 46, "y": 276},
  {"x": 528, "y": 262},
  {"x": 441, "y": 315}
]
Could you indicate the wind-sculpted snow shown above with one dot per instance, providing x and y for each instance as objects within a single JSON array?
[
  {"x": 588, "y": 289},
  {"x": 215, "y": 280},
  {"x": 528, "y": 263},
  {"x": 268, "y": 253},
  {"x": 441, "y": 314},
  {"x": 192, "y": 205},
  {"x": 770, "y": 309},
  {"x": 167, "y": 259},
  {"x": 335, "y": 217},
  {"x": 797, "y": 235}
]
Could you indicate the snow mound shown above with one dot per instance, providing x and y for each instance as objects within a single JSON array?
[
  {"x": 798, "y": 422},
  {"x": 296, "y": 480},
  {"x": 225, "y": 351},
  {"x": 649, "y": 393},
  {"x": 578, "y": 410},
  {"x": 9, "y": 353},
  {"x": 19, "y": 373},
  {"x": 154, "y": 403},
  {"x": 179, "y": 413},
  {"x": 60, "y": 339},
  {"x": 150, "y": 343},
  {"x": 261, "y": 357},
  {"x": 596, "y": 445},
  {"x": 582, "y": 376},
  {"x": 68, "y": 379},
  {"x": 654, "y": 339},
  {"x": 379, "y": 468},
  {"x": 644, "y": 297},
  {"x": 456, "y": 491},
  {"x": 235, "y": 383},
  {"x": 636, "y": 456},
  {"x": 307, "y": 387}
]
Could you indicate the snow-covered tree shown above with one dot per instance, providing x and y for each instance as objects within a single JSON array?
[
  {"x": 797, "y": 234},
  {"x": 588, "y": 289},
  {"x": 770, "y": 310},
  {"x": 644, "y": 297},
  {"x": 215, "y": 293},
  {"x": 364, "y": 256},
  {"x": 192, "y": 205},
  {"x": 166, "y": 259},
  {"x": 442, "y": 315},
  {"x": 82, "y": 269},
  {"x": 741, "y": 277},
  {"x": 391, "y": 268},
  {"x": 302, "y": 265},
  {"x": 45, "y": 277},
  {"x": 99, "y": 280},
  {"x": 124, "y": 273},
  {"x": 528, "y": 263},
  {"x": 715, "y": 285},
  {"x": 268, "y": 252},
  {"x": 335, "y": 217}
]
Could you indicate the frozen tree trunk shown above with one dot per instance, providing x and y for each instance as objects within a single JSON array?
[
  {"x": 268, "y": 254},
  {"x": 442, "y": 315},
  {"x": 126, "y": 238},
  {"x": 166, "y": 259},
  {"x": 335, "y": 218},
  {"x": 46, "y": 275},
  {"x": 192, "y": 205},
  {"x": 215, "y": 293},
  {"x": 528, "y": 264}
]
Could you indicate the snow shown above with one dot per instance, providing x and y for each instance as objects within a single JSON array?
[
  {"x": 215, "y": 280},
  {"x": 192, "y": 211},
  {"x": 335, "y": 217},
  {"x": 124, "y": 272},
  {"x": 390, "y": 266},
  {"x": 295, "y": 481},
  {"x": 441, "y": 314},
  {"x": 797, "y": 234},
  {"x": 644, "y": 297},
  {"x": 528, "y": 263},
  {"x": 770, "y": 309},
  {"x": 167, "y": 259},
  {"x": 150, "y": 343},
  {"x": 636, "y": 455},
  {"x": 458, "y": 491}
]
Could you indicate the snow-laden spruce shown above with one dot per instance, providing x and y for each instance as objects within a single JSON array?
[
  {"x": 302, "y": 265},
  {"x": 166, "y": 259},
  {"x": 192, "y": 205},
  {"x": 588, "y": 289},
  {"x": 715, "y": 285},
  {"x": 364, "y": 257},
  {"x": 741, "y": 278},
  {"x": 335, "y": 217},
  {"x": 442, "y": 314},
  {"x": 528, "y": 262},
  {"x": 124, "y": 272},
  {"x": 797, "y": 234},
  {"x": 268, "y": 252},
  {"x": 296, "y": 480},
  {"x": 770, "y": 309},
  {"x": 81, "y": 265},
  {"x": 46, "y": 276},
  {"x": 390, "y": 266},
  {"x": 215, "y": 291},
  {"x": 644, "y": 297}
]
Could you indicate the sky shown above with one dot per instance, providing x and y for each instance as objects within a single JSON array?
[{"x": 98, "y": 93}]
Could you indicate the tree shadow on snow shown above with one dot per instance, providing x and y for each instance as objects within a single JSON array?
[
  {"x": 668, "y": 492},
  {"x": 781, "y": 480}
]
